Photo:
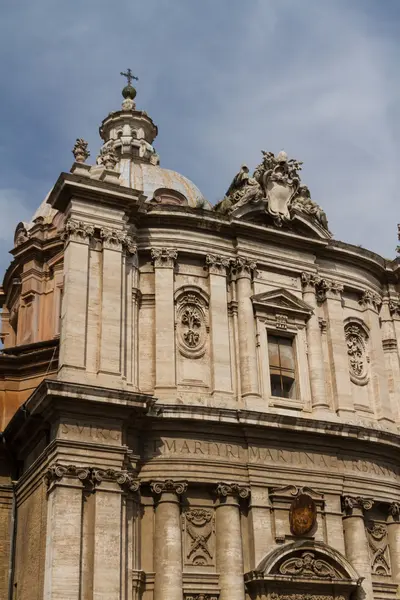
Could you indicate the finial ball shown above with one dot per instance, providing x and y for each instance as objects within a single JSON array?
[{"x": 129, "y": 92}]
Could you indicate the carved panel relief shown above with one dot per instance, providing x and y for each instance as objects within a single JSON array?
[
  {"x": 357, "y": 349},
  {"x": 199, "y": 537},
  {"x": 379, "y": 550},
  {"x": 191, "y": 322}
]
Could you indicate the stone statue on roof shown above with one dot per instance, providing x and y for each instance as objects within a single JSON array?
[{"x": 275, "y": 187}]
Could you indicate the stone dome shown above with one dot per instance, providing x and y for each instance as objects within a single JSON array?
[{"x": 162, "y": 185}]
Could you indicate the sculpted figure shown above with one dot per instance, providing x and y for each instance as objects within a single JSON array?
[
  {"x": 303, "y": 203},
  {"x": 242, "y": 190}
]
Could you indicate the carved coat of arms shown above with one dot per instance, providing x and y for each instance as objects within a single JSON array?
[
  {"x": 274, "y": 187},
  {"x": 302, "y": 515}
]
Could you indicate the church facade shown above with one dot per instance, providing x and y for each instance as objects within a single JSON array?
[{"x": 197, "y": 402}]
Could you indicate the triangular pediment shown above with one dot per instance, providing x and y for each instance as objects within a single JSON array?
[{"x": 280, "y": 300}]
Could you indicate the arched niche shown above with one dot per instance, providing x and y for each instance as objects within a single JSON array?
[{"x": 303, "y": 570}]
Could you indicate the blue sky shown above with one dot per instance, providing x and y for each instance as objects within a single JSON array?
[{"x": 223, "y": 80}]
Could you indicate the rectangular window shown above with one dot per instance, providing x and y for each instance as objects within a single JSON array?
[{"x": 282, "y": 367}]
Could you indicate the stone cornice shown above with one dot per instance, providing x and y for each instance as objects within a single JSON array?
[{"x": 334, "y": 429}]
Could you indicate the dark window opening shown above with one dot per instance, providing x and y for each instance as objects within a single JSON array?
[{"x": 282, "y": 366}]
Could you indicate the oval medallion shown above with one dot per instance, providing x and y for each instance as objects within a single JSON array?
[{"x": 302, "y": 514}]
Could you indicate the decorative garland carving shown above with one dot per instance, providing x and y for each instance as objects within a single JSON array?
[
  {"x": 192, "y": 322},
  {"x": 357, "y": 341},
  {"x": 309, "y": 566},
  {"x": 200, "y": 537},
  {"x": 379, "y": 549}
]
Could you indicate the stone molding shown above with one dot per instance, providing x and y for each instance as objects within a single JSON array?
[
  {"x": 77, "y": 231},
  {"x": 351, "y": 503},
  {"x": 232, "y": 489},
  {"x": 169, "y": 485},
  {"x": 91, "y": 476},
  {"x": 276, "y": 596},
  {"x": 164, "y": 257},
  {"x": 370, "y": 299},
  {"x": 217, "y": 264}
]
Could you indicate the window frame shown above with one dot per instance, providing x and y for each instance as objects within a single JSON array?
[{"x": 281, "y": 313}]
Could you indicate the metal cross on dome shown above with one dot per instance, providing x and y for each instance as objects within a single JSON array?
[{"x": 129, "y": 76}]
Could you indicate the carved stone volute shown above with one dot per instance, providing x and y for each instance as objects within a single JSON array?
[
  {"x": 169, "y": 485},
  {"x": 164, "y": 257},
  {"x": 232, "y": 489},
  {"x": 353, "y": 504}
]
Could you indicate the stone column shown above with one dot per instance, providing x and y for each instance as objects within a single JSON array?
[
  {"x": 391, "y": 310},
  {"x": 261, "y": 523},
  {"x": 77, "y": 235},
  {"x": 242, "y": 271},
  {"x": 108, "y": 547},
  {"x": 314, "y": 344},
  {"x": 220, "y": 347},
  {"x": 229, "y": 552},
  {"x": 111, "y": 301},
  {"x": 168, "y": 540},
  {"x": 164, "y": 259},
  {"x": 371, "y": 302},
  {"x": 64, "y": 533},
  {"x": 393, "y": 529},
  {"x": 356, "y": 541},
  {"x": 331, "y": 293}
]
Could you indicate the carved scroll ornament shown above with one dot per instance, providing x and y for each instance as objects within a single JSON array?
[
  {"x": 175, "y": 487},
  {"x": 309, "y": 566},
  {"x": 91, "y": 476},
  {"x": 357, "y": 342},
  {"x": 192, "y": 323},
  {"x": 232, "y": 489}
]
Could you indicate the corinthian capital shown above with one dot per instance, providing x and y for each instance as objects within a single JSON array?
[
  {"x": 164, "y": 257},
  {"x": 77, "y": 231},
  {"x": 168, "y": 485},
  {"x": 351, "y": 503},
  {"x": 310, "y": 281},
  {"x": 232, "y": 489},
  {"x": 112, "y": 238},
  {"x": 370, "y": 299},
  {"x": 243, "y": 267},
  {"x": 217, "y": 264},
  {"x": 328, "y": 288}
]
